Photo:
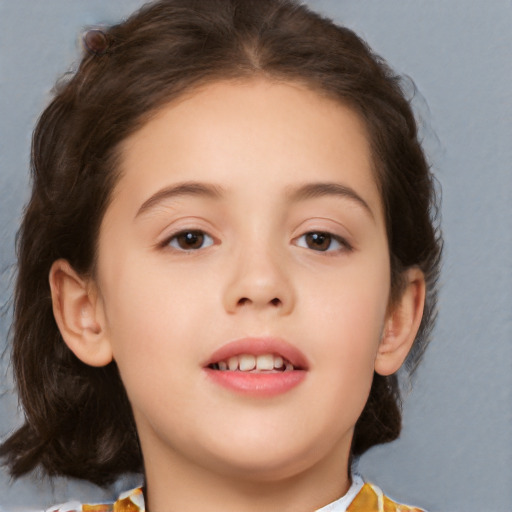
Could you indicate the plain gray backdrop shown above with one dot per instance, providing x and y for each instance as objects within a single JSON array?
[{"x": 455, "y": 453}]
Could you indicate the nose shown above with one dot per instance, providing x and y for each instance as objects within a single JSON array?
[{"x": 259, "y": 281}]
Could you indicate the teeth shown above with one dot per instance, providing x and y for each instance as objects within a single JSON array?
[
  {"x": 265, "y": 362},
  {"x": 246, "y": 363},
  {"x": 249, "y": 362}
]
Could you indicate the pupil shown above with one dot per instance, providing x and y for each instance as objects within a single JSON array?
[
  {"x": 318, "y": 241},
  {"x": 191, "y": 240}
]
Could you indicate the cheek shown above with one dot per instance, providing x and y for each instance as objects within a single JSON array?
[
  {"x": 151, "y": 330},
  {"x": 354, "y": 298},
  {"x": 146, "y": 311},
  {"x": 349, "y": 314}
]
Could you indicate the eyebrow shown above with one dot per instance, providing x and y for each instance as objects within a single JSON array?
[
  {"x": 300, "y": 193},
  {"x": 188, "y": 188},
  {"x": 322, "y": 189}
]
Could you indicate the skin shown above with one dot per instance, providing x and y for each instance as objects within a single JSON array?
[{"x": 161, "y": 310}]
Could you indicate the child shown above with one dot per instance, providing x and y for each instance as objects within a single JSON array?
[{"x": 227, "y": 256}]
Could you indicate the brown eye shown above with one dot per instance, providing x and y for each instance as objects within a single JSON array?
[
  {"x": 322, "y": 242},
  {"x": 190, "y": 240},
  {"x": 318, "y": 241}
]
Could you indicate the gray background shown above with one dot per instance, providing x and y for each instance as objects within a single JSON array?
[{"x": 455, "y": 453}]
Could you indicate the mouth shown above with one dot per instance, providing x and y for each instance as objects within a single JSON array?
[
  {"x": 262, "y": 367},
  {"x": 264, "y": 363}
]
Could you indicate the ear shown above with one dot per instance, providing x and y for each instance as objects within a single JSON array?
[
  {"x": 402, "y": 324},
  {"x": 79, "y": 315}
]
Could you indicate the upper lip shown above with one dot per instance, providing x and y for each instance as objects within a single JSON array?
[{"x": 260, "y": 346}]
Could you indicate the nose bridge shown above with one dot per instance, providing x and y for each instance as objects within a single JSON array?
[{"x": 258, "y": 277}]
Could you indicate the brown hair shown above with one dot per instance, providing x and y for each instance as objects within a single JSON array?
[{"x": 78, "y": 420}]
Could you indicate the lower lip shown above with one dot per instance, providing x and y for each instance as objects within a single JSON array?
[{"x": 262, "y": 385}]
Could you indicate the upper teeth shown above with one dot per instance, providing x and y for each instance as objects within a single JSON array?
[{"x": 248, "y": 362}]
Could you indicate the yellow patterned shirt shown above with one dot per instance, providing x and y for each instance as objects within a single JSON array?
[
  {"x": 368, "y": 498},
  {"x": 371, "y": 499}
]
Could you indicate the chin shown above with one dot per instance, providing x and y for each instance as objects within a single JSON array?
[{"x": 271, "y": 462}]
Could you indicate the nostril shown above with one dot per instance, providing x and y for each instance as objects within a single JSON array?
[{"x": 244, "y": 301}]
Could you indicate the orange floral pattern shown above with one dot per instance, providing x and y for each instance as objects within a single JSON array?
[
  {"x": 131, "y": 501},
  {"x": 371, "y": 499}
]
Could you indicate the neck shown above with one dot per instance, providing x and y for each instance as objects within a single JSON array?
[{"x": 179, "y": 486}]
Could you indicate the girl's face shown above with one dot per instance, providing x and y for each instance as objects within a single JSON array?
[{"x": 246, "y": 222}]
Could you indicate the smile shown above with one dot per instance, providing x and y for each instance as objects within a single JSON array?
[{"x": 258, "y": 367}]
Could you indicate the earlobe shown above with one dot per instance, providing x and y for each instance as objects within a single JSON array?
[
  {"x": 402, "y": 324},
  {"x": 79, "y": 315}
]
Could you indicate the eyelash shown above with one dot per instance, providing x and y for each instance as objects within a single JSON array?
[
  {"x": 185, "y": 235},
  {"x": 322, "y": 237},
  {"x": 190, "y": 240}
]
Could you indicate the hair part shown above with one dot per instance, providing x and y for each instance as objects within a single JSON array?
[{"x": 78, "y": 420}]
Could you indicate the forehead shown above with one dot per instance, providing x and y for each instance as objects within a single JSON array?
[{"x": 230, "y": 132}]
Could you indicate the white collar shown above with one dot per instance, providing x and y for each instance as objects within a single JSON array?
[{"x": 341, "y": 504}]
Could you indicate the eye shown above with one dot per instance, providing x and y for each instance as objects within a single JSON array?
[
  {"x": 190, "y": 240},
  {"x": 322, "y": 241}
]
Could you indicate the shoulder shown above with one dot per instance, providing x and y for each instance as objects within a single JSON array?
[
  {"x": 371, "y": 499},
  {"x": 130, "y": 501}
]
